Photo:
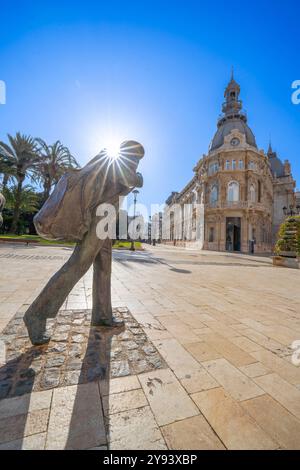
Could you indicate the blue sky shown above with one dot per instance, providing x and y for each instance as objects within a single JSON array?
[{"x": 154, "y": 71}]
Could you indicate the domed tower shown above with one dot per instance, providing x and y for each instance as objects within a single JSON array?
[
  {"x": 233, "y": 118},
  {"x": 237, "y": 183}
]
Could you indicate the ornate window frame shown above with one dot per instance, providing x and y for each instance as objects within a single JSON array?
[{"x": 233, "y": 199}]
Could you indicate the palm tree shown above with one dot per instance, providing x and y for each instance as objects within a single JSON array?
[
  {"x": 22, "y": 157},
  {"x": 54, "y": 161},
  {"x": 29, "y": 198},
  {"x": 6, "y": 169}
]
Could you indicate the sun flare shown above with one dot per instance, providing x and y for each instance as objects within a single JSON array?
[{"x": 113, "y": 149}]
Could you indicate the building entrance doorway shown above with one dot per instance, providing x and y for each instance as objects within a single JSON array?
[{"x": 233, "y": 233}]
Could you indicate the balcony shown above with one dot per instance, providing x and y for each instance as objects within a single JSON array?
[{"x": 236, "y": 205}]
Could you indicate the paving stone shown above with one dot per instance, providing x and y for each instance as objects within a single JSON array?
[
  {"x": 79, "y": 321},
  {"x": 285, "y": 369},
  {"x": 140, "y": 366},
  {"x": 99, "y": 448},
  {"x": 246, "y": 344},
  {"x": 135, "y": 430},
  {"x": 77, "y": 338},
  {"x": 60, "y": 337},
  {"x": 34, "y": 442},
  {"x": 124, "y": 401},
  {"x": 155, "y": 361},
  {"x": 262, "y": 340},
  {"x": 36, "y": 366},
  {"x": 275, "y": 420},
  {"x": 5, "y": 388},
  {"x": 72, "y": 378},
  {"x": 282, "y": 391},
  {"x": 75, "y": 350},
  {"x": 27, "y": 403},
  {"x": 178, "y": 329},
  {"x": 55, "y": 361},
  {"x": 23, "y": 386},
  {"x": 118, "y": 385},
  {"x": 74, "y": 364},
  {"x": 149, "y": 349},
  {"x": 254, "y": 370},
  {"x": 221, "y": 329},
  {"x": 157, "y": 334},
  {"x": 50, "y": 379},
  {"x": 119, "y": 368},
  {"x": 202, "y": 351},
  {"x": 131, "y": 345},
  {"x": 63, "y": 328},
  {"x": 198, "y": 381},
  {"x": 96, "y": 373},
  {"x": 178, "y": 359},
  {"x": 168, "y": 399},
  {"x": 191, "y": 434},
  {"x": 236, "y": 429},
  {"x": 238, "y": 385},
  {"x": 18, "y": 426},
  {"x": 57, "y": 347},
  {"x": 76, "y": 420},
  {"x": 135, "y": 355},
  {"x": 235, "y": 355}
]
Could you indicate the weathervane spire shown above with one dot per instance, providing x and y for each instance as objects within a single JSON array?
[
  {"x": 232, "y": 73},
  {"x": 270, "y": 150}
]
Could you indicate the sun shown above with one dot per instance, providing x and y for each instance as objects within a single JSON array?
[{"x": 112, "y": 148}]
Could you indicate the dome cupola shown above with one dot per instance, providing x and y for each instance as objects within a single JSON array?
[{"x": 232, "y": 118}]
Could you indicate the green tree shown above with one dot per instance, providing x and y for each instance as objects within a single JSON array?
[
  {"x": 55, "y": 160},
  {"x": 6, "y": 170},
  {"x": 289, "y": 236},
  {"x": 22, "y": 158},
  {"x": 29, "y": 198}
]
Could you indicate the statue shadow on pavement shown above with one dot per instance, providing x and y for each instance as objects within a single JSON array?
[{"x": 80, "y": 399}]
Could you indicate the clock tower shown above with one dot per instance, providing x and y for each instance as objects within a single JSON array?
[{"x": 238, "y": 190}]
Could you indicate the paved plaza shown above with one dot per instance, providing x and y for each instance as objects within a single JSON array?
[{"x": 204, "y": 360}]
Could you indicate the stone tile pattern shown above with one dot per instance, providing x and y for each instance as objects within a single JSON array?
[
  {"x": 77, "y": 353},
  {"x": 223, "y": 323}
]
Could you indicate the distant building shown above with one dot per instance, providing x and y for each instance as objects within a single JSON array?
[
  {"x": 156, "y": 227},
  {"x": 238, "y": 190}
]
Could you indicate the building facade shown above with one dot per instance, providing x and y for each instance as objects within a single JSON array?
[{"x": 237, "y": 194}]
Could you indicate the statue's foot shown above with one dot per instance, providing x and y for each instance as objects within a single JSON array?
[
  {"x": 36, "y": 328},
  {"x": 111, "y": 323}
]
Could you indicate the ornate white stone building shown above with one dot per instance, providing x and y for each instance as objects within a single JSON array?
[{"x": 237, "y": 193}]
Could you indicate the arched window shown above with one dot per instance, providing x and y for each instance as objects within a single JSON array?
[
  {"x": 214, "y": 194},
  {"x": 233, "y": 194},
  {"x": 259, "y": 192},
  {"x": 252, "y": 193}
]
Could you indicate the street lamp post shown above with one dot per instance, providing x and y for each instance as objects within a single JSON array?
[
  {"x": 135, "y": 193},
  {"x": 291, "y": 210},
  {"x": 149, "y": 229}
]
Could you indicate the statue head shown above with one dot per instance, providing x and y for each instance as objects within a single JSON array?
[{"x": 68, "y": 212}]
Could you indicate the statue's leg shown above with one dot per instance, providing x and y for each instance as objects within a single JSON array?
[
  {"x": 49, "y": 301},
  {"x": 102, "y": 309}
]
